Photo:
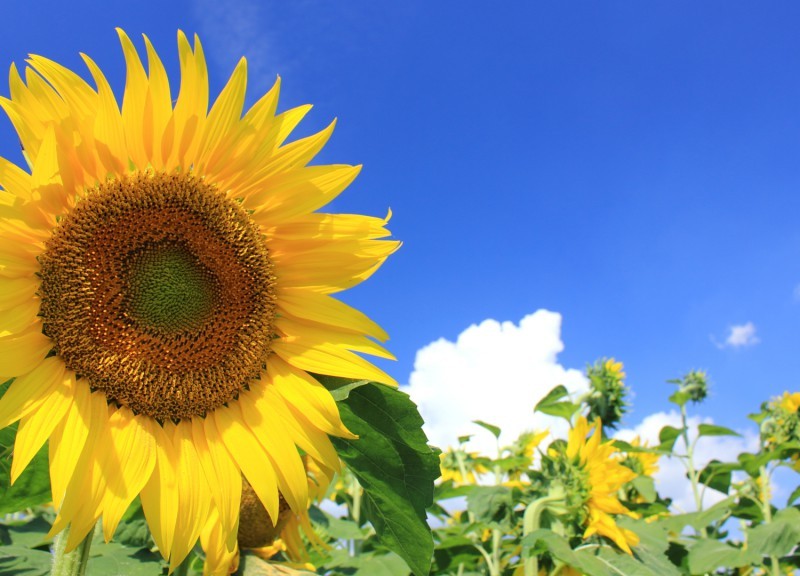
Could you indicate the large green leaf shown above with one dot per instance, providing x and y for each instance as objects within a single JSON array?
[
  {"x": 708, "y": 555},
  {"x": 490, "y": 504},
  {"x": 778, "y": 537},
  {"x": 395, "y": 466},
  {"x": 717, "y": 475},
  {"x": 19, "y": 561},
  {"x": 543, "y": 540},
  {"x": 667, "y": 437},
  {"x": 552, "y": 405}
]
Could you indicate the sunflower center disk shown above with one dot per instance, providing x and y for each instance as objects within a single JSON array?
[
  {"x": 158, "y": 290},
  {"x": 169, "y": 289}
]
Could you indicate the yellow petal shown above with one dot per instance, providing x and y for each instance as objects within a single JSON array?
[
  {"x": 303, "y": 393},
  {"x": 15, "y": 320},
  {"x": 17, "y": 291},
  {"x": 19, "y": 354},
  {"x": 159, "y": 495},
  {"x": 249, "y": 455},
  {"x": 15, "y": 179},
  {"x": 128, "y": 465},
  {"x": 193, "y": 494},
  {"x": 133, "y": 103},
  {"x": 161, "y": 108},
  {"x": 320, "y": 335},
  {"x": 331, "y": 360},
  {"x": 35, "y": 428},
  {"x": 281, "y": 450},
  {"x": 67, "y": 441},
  {"x": 300, "y": 431},
  {"x": 222, "y": 474},
  {"x": 192, "y": 104},
  {"x": 27, "y": 392},
  {"x": 82, "y": 503},
  {"x": 108, "y": 131},
  {"x": 220, "y": 558},
  {"x": 289, "y": 194},
  {"x": 223, "y": 116}
]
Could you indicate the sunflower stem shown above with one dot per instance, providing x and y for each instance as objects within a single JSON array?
[
  {"x": 72, "y": 563},
  {"x": 530, "y": 523}
]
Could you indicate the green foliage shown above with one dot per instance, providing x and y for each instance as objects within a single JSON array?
[
  {"x": 519, "y": 511},
  {"x": 394, "y": 464}
]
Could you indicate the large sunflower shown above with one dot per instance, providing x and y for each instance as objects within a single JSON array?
[{"x": 165, "y": 290}]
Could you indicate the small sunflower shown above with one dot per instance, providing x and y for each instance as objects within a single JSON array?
[
  {"x": 603, "y": 476},
  {"x": 166, "y": 288},
  {"x": 462, "y": 467}
]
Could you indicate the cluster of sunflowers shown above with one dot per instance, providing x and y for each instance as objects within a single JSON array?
[{"x": 182, "y": 393}]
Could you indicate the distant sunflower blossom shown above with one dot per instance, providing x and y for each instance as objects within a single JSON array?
[
  {"x": 166, "y": 288},
  {"x": 603, "y": 476}
]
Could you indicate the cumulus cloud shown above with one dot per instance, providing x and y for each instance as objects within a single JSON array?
[
  {"x": 671, "y": 478},
  {"x": 495, "y": 372},
  {"x": 739, "y": 336}
]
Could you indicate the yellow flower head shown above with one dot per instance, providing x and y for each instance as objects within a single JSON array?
[
  {"x": 460, "y": 466},
  {"x": 166, "y": 287},
  {"x": 605, "y": 475},
  {"x": 790, "y": 402},
  {"x": 643, "y": 463},
  {"x": 614, "y": 367}
]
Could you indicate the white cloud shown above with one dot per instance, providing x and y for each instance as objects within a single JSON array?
[
  {"x": 671, "y": 478},
  {"x": 495, "y": 372},
  {"x": 739, "y": 336}
]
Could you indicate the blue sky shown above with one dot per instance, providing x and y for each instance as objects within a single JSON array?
[{"x": 630, "y": 166}]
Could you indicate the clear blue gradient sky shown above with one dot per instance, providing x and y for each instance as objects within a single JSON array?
[{"x": 634, "y": 166}]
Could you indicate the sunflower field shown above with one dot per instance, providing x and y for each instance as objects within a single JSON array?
[{"x": 181, "y": 392}]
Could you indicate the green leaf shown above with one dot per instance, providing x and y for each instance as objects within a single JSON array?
[
  {"x": 395, "y": 466},
  {"x": 712, "y": 430},
  {"x": 114, "y": 558},
  {"x": 680, "y": 398},
  {"x": 30, "y": 533},
  {"x": 454, "y": 552},
  {"x": 559, "y": 548},
  {"x": 32, "y": 488},
  {"x": 793, "y": 496},
  {"x": 490, "y": 427},
  {"x": 646, "y": 487},
  {"x": 708, "y": 555},
  {"x": 652, "y": 547},
  {"x": 19, "y": 561},
  {"x": 778, "y": 537},
  {"x": 555, "y": 395},
  {"x": 382, "y": 565},
  {"x": 697, "y": 520},
  {"x": 552, "y": 405},
  {"x": 667, "y": 438},
  {"x": 336, "y": 528},
  {"x": 339, "y": 388},
  {"x": 490, "y": 504},
  {"x": 717, "y": 475}
]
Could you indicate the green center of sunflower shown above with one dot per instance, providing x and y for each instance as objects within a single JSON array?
[
  {"x": 169, "y": 289},
  {"x": 158, "y": 290}
]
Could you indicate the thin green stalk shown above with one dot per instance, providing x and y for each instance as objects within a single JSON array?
[
  {"x": 71, "y": 563},
  {"x": 766, "y": 509},
  {"x": 690, "y": 469}
]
